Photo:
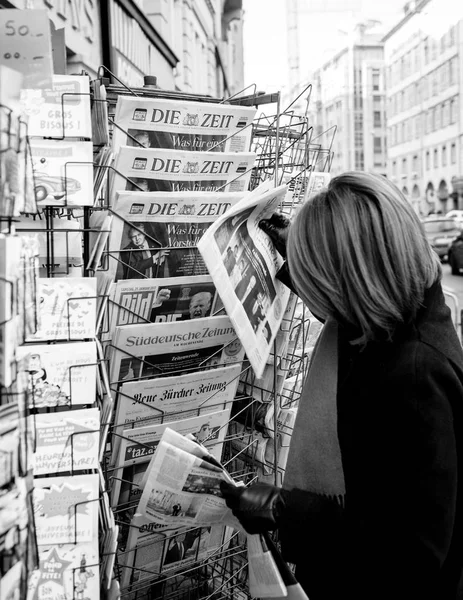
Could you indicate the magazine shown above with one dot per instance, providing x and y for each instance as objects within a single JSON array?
[
  {"x": 65, "y": 441},
  {"x": 67, "y": 309},
  {"x": 243, "y": 263},
  {"x": 60, "y": 112},
  {"x": 66, "y": 237},
  {"x": 67, "y": 572},
  {"x": 138, "y": 444},
  {"x": 160, "y": 301},
  {"x": 66, "y": 509},
  {"x": 302, "y": 186},
  {"x": 157, "y": 349},
  {"x": 63, "y": 172},
  {"x": 182, "y": 125},
  {"x": 159, "y": 170},
  {"x": 59, "y": 374},
  {"x": 155, "y": 235}
]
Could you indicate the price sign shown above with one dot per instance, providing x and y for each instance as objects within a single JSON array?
[{"x": 26, "y": 46}]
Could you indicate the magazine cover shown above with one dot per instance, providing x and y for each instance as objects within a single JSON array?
[
  {"x": 138, "y": 444},
  {"x": 67, "y": 572},
  {"x": 182, "y": 125},
  {"x": 155, "y": 235},
  {"x": 243, "y": 263},
  {"x": 65, "y": 441},
  {"x": 157, "y": 349},
  {"x": 160, "y": 301},
  {"x": 66, "y": 236},
  {"x": 59, "y": 374},
  {"x": 60, "y": 112},
  {"x": 159, "y": 170},
  {"x": 63, "y": 172},
  {"x": 67, "y": 309},
  {"x": 66, "y": 509}
]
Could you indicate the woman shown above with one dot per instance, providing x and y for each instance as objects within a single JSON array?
[{"x": 372, "y": 500}]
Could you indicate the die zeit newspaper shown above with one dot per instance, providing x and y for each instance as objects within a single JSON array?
[
  {"x": 243, "y": 263},
  {"x": 159, "y": 170},
  {"x": 160, "y": 349},
  {"x": 172, "y": 221},
  {"x": 179, "y": 125}
]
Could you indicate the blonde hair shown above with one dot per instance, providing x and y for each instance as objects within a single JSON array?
[{"x": 357, "y": 252}]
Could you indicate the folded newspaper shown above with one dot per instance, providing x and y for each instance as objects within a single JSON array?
[
  {"x": 182, "y": 485},
  {"x": 203, "y": 126},
  {"x": 243, "y": 263},
  {"x": 159, "y": 170}
]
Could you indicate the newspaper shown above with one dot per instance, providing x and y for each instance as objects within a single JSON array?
[
  {"x": 139, "y": 444},
  {"x": 150, "y": 222},
  {"x": 156, "y": 349},
  {"x": 183, "y": 486},
  {"x": 140, "y": 403},
  {"x": 181, "y": 125},
  {"x": 159, "y": 301},
  {"x": 243, "y": 263},
  {"x": 158, "y": 170}
]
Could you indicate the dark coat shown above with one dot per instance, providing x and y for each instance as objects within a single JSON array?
[
  {"x": 135, "y": 265},
  {"x": 399, "y": 535}
]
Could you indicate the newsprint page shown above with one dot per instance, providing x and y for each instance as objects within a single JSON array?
[{"x": 243, "y": 263}]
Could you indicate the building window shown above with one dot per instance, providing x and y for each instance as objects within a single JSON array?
[
  {"x": 436, "y": 158},
  {"x": 452, "y": 111},
  {"x": 428, "y": 160},
  {"x": 433, "y": 119},
  {"x": 377, "y": 145},
  {"x": 415, "y": 164},
  {"x": 453, "y": 154},
  {"x": 404, "y": 166},
  {"x": 377, "y": 118},
  {"x": 394, "y": 168},
  {"x": 444, "y": 156},
  {"x": 445, "y": 114},
  {"x": 418, "y": 126},
  {"x": 376, "y": 80},
  {"x": 438, "y": 117}
]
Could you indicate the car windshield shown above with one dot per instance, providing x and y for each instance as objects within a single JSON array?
[{"x": 440, "y": 226}]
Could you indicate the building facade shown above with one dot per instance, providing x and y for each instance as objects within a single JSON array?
[
  {"x": 207, "y": 38},
  {"x": 348, "y": 99},
  {"x": 424, "y": 73},
  {"x": 194, "y": 46}
]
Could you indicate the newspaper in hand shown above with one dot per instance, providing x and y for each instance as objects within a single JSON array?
[
  {"x": 155, "y": 235},
  {"x": 243, "y": 263},
  {"x": 184, "y": 488},
  {"x": 181, "y": 125},
  {"x": 159, "y": 170}
]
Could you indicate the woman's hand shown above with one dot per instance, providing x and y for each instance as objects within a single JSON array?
[
  {"x": 258, "y": 508},
  {"x": 277, "y": 227}
]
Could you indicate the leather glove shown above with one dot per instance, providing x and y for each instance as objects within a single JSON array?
[
  {"x": 258, "y": 508},
  {"x": 277, "y": 227}
]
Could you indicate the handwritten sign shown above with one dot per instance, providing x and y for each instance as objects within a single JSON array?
[{"x": 26, "y": 46}]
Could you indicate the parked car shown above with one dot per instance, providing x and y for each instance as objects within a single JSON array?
[
  {"x": 455, "y": 214},
  {"x": 441, "y": 232},
  {"x": 455, "y": 255}
]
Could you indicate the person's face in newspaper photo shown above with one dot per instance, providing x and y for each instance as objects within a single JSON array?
[
  {"x": 142, "y": 138},
  {"x": 233, "y": 348},
  {"x": 200, "y": 305},
  {"x": 137, "y": 237},
  {"x": 203, "y": 433},
  {"x": 142, "y": 185}
]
